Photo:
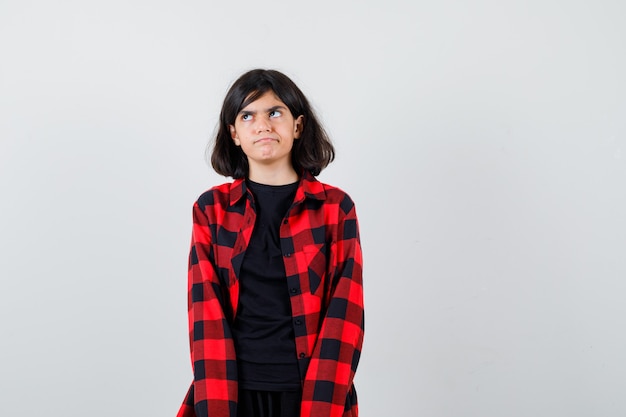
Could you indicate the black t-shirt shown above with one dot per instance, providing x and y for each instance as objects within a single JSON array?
[{"x": 263, "y": 328}]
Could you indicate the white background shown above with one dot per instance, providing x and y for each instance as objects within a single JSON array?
[{"x": 484, "y": 143}]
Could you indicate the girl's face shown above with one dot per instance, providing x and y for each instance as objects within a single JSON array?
[{"x": 265, "y": 129}]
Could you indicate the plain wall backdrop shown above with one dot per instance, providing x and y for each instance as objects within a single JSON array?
[{"x": 484, "y": 143}]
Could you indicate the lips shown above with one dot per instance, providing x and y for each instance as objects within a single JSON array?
[{"x": 263, "y": 140}]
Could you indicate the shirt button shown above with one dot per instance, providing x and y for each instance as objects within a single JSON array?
[
  {"x": 298, "y": 322},
  {"x": 287, "y": 255},
  {"x": 294, "y": 290},
  {"x": 302, "y": 355},
  {"x": 285, "y": 221}
]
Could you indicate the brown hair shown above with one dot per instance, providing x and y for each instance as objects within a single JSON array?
[{"x": 312, "y": 152}]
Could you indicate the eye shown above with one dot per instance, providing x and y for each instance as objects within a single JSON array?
[
  {"x": 275, "y": 113},
  {"x": 245, "y": 117}
]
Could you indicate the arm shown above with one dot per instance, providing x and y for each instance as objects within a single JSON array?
[
  {"x": 328, "y": 390},
  {"x": 214, "y": 389}
]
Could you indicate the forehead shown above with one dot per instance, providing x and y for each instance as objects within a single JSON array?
[{"x": 266, "y": 99}]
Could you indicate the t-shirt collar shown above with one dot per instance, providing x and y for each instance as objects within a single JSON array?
[{"x": 309, "y": 187}]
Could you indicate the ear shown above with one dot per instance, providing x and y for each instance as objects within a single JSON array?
[
  {"x": 233, "y": 135},
  {"x": 298, "y": 127}
]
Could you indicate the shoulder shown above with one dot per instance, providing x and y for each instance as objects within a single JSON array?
[
  {"x": 219, "y": 195},
  {"x": 337, "y": 196}
]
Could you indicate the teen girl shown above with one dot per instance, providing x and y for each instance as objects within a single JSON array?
[{"x": 275, "y": 289}]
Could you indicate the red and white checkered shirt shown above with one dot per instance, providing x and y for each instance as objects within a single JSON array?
[{"x": 319, "y": 238}]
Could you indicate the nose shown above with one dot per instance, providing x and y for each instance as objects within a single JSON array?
[{"x": 263, "y": 125}]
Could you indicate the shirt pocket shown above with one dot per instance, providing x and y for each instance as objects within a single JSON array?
[{"x": 316, "y": 256}]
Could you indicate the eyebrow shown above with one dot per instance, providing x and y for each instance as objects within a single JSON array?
[{"x": 271, "y": 109}]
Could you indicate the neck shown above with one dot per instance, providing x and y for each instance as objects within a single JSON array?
[{"x": 273, "y": 176}]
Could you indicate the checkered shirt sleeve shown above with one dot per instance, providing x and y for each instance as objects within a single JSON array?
[
  {"x": 214, "y": 390},
  {"x": 327, "y": 389}
]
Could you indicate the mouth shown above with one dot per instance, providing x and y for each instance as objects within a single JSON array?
[{"x": 265, "y": 140}]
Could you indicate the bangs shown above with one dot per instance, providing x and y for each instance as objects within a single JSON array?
[{"x": 254, "y": 95}]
